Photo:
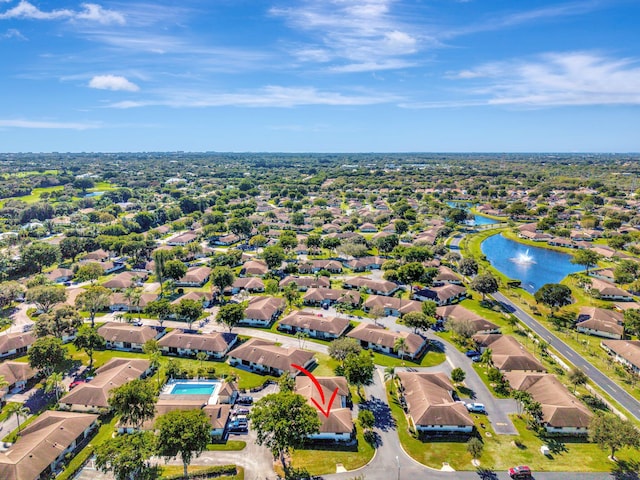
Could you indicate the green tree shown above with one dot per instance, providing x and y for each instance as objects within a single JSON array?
[
  {"x": 240, "y": 226},
  {"x": 429, "y": 308},
  {"x": 59, "y": 323},
  {"x": 586, "y": 258},
  {"x": 341, "y": 348},
  {"x": 417, "y": 321},
  {"x": 189, "y": 310},
  {"x": 89, "y": 340},
  {"x": 128, "y": 456},
  {"x": 54, "y": 383},
  {"x": 366, "y": 419},
  {"x": 553, "y": 295},
  {"x": 46, "y": 296},
  {"x": 47, "y": 355},
  {"x": 632, "y": 321},
  {"x": 283, "y": 421},
  {"x": 468, "y": 267},
  {"x": 71, "y": 247},
  {"x": 577, "y": 377},
  {"x": 613, "y": 433},
  {"x": 475, "y": 447},
  {"x": 458, "y": 375},
  {"x": 522, "y": 398},
  {"x": 37, "y": 255},
  {"x": 134, "y": 401},
  {"x": 19, "y": 410},
  {"x": 89, "y": 272},
  {"x": 400, "y": 346},
  {"x": 230, "y": 315},
  {"x": 273, "y": 256},
  {"x": 291, "y": 295},
  {"x": 162, "y": 308},
  {"x": 175, "y": 269},
  {"x": 9, "y": 292},
  {"x": 183, "y": 432},
  {"x": 486, "y": 358},
  {"x": 485, "y": 284},
  {"x": 222, "y": 277},
  {"x": 358, "y": 369},
  {"x": 411, "y": 273},
  {"x": 160, "y": 258},
  {"x": 94, "y": 299}
]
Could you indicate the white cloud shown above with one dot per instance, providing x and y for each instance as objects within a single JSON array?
[
  {"x": 15, "y": 123},
  {"x": 270, "y": 96},
  {"x": 98, "y": 14},
  {"x": 14, "y": 33},
  {"x": 112, "y": 82},
  {"x": 90, "y": 12},
  {"x": 550, "y": 80},
  {"x": 364, "y": 33}
]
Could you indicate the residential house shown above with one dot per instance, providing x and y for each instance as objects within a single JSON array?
[
  {"x": 458, "y": 313},
  {"x": 127, "y": 337},
  {"x": 315, "y": 325},
  {"x": 125, "y": 280},
  {"x": 16, "y": 374},
  {"x": 60, "y": 275},
  {"x": 314, "y": 266},
  {"x": 382, "y": 340},
  {"x": 215, "y": 345},
  {"x": 249, "y": 284},
  {"x": 446, "y": 275},
  {"x": 444, "y": 295},
  {"x": 626, "y": 352},
  {"x": 263, "y": 311},
  {"x": 265, "y": 357},
  {"x": 305, "y": 283},
  {"x": 608, "y": 291},
  {"x": 226, "y": 240},
  {"x": 205, "y": 297},
  {"x": 365, "y": 263},
  {"x": 377, "y": 287},
  {"x": 182, "y": 239},
  {"x": 562, "y": 412},
  {"x": 254, "y": 267},
  {"x": 44, "y": 444},
  {"x": 338, "y": 425},
  {"x": 94, "y": 395},
  {"x": 330, "y": 296},
  {"x": 96, "y": 256},
  {"x": 16, "y": 344},
  {"x": 391, "y": 305},
  {"x": 601, "y": 322},
  {"x": 120, "y": 303},
  {"x": 507, "y": 353},
  {"x": 430, "y": 404},
  {"x": 195, "y": 277}
]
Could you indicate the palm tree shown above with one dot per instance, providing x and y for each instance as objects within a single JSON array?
[
  {"x": 54, "y": 384},
  {"x": 389, "y": 373},
  {"x": 133, "y": 296},
  {"x": 400, "y": 345},
  {"x": 20, "y": 410},
  {"x": 201, "y": 357},
  {"x": 485, "y": 358}
]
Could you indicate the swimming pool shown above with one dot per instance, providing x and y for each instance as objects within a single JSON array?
[{"x": 208, "y": 388}]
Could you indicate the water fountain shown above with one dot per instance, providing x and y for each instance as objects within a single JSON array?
[{"x": 523, "y": 258}]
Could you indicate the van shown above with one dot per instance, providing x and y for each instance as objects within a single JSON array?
[{"x": 476, "y": 407}]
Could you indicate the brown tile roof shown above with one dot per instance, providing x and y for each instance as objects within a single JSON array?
[
  {"x": 559, "y": 407},
  {"x": 266, "y": 353},
  {"x": 459, "y": 313},
  {"x": 196, "y": 275},
  {"x": 507, "y": 353},
  {"x": 208, "y": 342},
  {"x": 314, "y": 321},
  {"x": 112, "y": 374},
  {"x": 16, "y": 371},
  {"x": 404, "y": 306},
  {"x": 383, "y": 286},
  {"x": 124, "y": 280},
  {"x": 627, "y": 349},
  {"x": 14, "y": 341},
  {"x": 339, "y": 420},
  {"x": 372, "y": 333},
  {"x": 263, "y": 308},
  {"x": 429, "y": 400},
  {"x": 41, "y": 443},
  {"x": 320, "y": 282},
  {"x": 125, "y": 332},
  {"x": 333, "y": 294}
]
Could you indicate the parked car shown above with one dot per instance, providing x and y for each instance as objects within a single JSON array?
[
  {"x": 241, "y": 411},
  {"x": 75, "y": 383},
  {"x": 245, "y": 400},
  {"x": 472, "y": 353},
  {"x": 476, "y": 407},
  {"x": 235, "y": 427},
  {"x": 520, "y": 472},
  {"x": 137, "y": 323},
  {"x": 476, "y": 359}
]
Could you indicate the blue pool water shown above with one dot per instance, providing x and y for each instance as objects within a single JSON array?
[
  {"x": 187, "y": 388},
  {"x": 543, "y": 265}
]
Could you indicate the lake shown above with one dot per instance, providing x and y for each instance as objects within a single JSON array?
[
  {"x": 477, "y": 219},
  {"x": 533, "y": 266}
]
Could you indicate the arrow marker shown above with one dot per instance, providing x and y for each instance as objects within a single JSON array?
[{"x": 319, "y": 387}]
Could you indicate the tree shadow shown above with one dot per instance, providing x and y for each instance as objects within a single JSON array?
[
  {"x": 467, "y": 392},
  {"x": 626, "y": 470},
  {"x": 556, "y": 446},
  {"x": 381, "y": 412},
  {"x": 486, "y": 474}
]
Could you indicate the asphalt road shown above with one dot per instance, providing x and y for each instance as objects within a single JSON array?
[{"x": 599, "y": 378}]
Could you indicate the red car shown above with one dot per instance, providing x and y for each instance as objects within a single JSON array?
[
  {"x": 520, "y": 472},
  {"x": 75, "y": 383}
]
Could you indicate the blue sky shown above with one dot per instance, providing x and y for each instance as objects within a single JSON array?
[{"x": 320, "y": 75}]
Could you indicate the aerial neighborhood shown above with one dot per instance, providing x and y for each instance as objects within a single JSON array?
[{"x": 160, "y": 310}]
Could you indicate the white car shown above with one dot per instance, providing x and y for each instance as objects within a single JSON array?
[{"x": 476, "y": 407}]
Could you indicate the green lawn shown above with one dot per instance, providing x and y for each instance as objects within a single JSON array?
[
  {"x": 228, "y": 446},
  {"x": 504, "y": 451},
  {"x": 168, "y": 470}
]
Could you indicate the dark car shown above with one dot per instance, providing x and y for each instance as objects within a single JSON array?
[
  {"x": 520, "y": 472},
  {"x": 472, "y": 353},
  {"x": 237, "y": 427},
  {"x": 242, "y": 411},
  {"x": 476, "y": 359},
  {"x": 245, "y": 400}
]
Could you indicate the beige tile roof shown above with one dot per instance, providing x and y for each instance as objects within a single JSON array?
[
  {"x": 340, "y": 419},
  {"x": 314, "y": 321},
  {"x": 14, "y": 341},
  {"x": 507, "y": 353},
  {"x": 16, "y": 371},
  {"x": 125, "y": 332},
  {"x": 266, "y": 353},
  {"x": 208, "y": 342},
  {"x": 371, "y": 333}
]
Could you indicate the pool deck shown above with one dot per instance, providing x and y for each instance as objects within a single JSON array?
[{"x": 187, "y": 398}]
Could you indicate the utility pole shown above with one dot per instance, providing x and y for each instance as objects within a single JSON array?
[{"x": 398, "y": 463}]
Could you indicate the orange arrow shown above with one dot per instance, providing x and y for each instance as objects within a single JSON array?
[{"x": 319, "y": 387}]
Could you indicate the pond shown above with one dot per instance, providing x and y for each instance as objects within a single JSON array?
[
  {"x": 94, "y": 194},
  {"x": 533, "y": 266},
  {"x": 477, "y": 219}
]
